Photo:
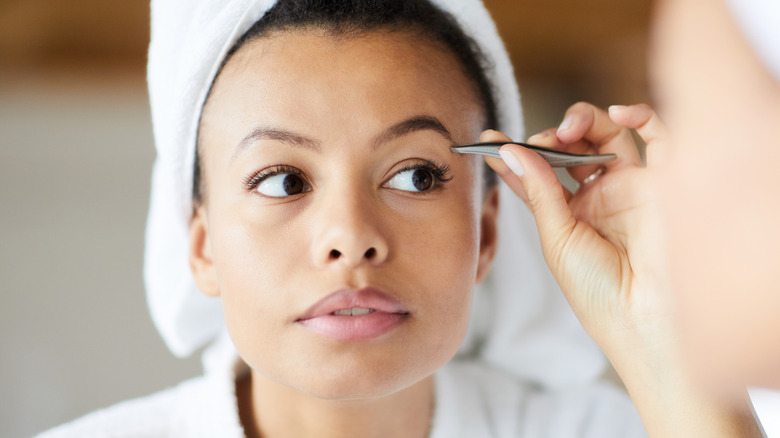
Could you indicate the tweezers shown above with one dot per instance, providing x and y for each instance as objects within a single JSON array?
[{"x": 555, "y": 158}]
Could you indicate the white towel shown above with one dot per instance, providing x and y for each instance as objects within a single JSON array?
[{"x": 521, "y": 323}]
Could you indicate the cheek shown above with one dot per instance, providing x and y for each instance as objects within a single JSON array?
[
  {"x": 445, "y": 250},
  {"x": 440, "y": 252},
  {"x": 267, "y": 275},
  {"x": 258, "y": 252}
]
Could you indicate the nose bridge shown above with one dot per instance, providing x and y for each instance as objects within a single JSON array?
[{"x": 347, "y": 229}]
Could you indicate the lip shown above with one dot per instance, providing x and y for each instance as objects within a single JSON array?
[{"x": 387, "y": 314}]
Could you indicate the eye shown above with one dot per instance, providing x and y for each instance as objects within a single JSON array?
[
  {"x": 283, "y": 184},
  {"x": 419, "y": 178},
  {"x": 412, "y": 180},
  {"x": 277, "y": 182}
]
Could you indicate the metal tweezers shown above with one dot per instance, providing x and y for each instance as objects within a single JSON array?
[{"x": 555, "y": 158}]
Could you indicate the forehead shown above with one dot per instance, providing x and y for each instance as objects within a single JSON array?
[{"x": 319, "y": 83}]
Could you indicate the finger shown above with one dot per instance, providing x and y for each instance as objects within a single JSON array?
[
  {"x": 642, "y": 118},
  {"x": 513, "y": 181},
  {"x": 498, "y": 165},
  {"x": 502, "y": 169},
  {"x": 546, "y": 198},
  {"x": 547, "y": 139},
  {"x": 585, "y": 121},
  {"x": 584, "y": 174},
  {"x": 648, "y": 125},
  {"x": 491, "y": 135}
]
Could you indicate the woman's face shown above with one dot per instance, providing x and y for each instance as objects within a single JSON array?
[
  {"x": 721, "y": 204},
  {"x": 330, "y": 189}
]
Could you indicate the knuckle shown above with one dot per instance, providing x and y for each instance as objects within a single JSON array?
[
  {"x": 536, "y": 203},
  {"x": 644, "y": 107},
  {"x": 580, "y": 106}
]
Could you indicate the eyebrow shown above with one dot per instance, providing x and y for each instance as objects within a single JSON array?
[
  {"x": 265, "y": 133},
  {"x": 412, "y": 124},
  {"x": 405, "y": 127}
]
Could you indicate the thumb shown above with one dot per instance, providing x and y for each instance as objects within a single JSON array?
[{"x": 529, "y": 175}]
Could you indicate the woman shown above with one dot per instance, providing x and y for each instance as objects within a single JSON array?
[{"x": 342, "y": 237}]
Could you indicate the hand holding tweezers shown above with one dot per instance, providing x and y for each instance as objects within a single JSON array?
[{"x": 555, "y": 158}]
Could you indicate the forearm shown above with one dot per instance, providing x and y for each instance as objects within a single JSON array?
[{"x": 670, "y": 405}]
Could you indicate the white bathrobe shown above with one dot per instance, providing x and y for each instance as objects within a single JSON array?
[{"x": 473, "y": 400}]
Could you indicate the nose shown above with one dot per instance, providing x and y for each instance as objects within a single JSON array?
[{"x": 348, "y": 234}]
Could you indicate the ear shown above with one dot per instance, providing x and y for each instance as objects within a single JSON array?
[
  {"x": 201, "y": 261},
  {"x": 488, "y": 233}
]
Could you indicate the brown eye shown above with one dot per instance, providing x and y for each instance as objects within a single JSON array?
[
  {"x": 413, "y": 180},
  {"x": 292, "y": 184},
  {"x": 422, "y": 180},
  {"x": 283, "y": 184}
]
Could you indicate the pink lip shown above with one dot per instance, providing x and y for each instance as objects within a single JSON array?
[{"x": 387, "y": 313}]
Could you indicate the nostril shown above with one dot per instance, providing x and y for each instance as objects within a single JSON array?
[
  {"x": 334, "y": 254},
  {"x": 370, "y": 253}
]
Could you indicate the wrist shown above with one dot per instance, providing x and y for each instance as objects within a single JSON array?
[{"x": 671, "y": 403}]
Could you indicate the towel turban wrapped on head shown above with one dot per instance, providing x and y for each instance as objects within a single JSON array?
[{"x": 520, "y": 320}]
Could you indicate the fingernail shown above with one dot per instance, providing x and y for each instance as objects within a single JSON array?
[
  {"x": 512, "y": 162},
  {"x": 617, "y": 107},
  {"x": 565, "y": 124},
  {"x": 538, "y": 138}
]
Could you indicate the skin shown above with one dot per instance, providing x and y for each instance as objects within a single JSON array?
[
  {"x": 605, "y": 246},
  {"x": 269, "y": 259},
  {"x": 720, "y": 198},
  {"x": 601, "y": 244}
]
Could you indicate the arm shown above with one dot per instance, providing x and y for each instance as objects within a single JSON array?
[
  {"x": 603, "y": 245},
  {"x": 670, "y": 405}
]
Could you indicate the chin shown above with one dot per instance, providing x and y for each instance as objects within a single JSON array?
[
  {"x": 359, "y": 382},
  {"x": 365, "y": 393}
]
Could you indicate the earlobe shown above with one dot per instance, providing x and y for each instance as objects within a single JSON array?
[
  {"x": 488, "y": 233},
  {"x": 201, "y": 261}
]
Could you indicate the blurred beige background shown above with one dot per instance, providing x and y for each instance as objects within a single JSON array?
[{"x": 76, "y": 151}]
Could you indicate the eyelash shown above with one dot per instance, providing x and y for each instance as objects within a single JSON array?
[
  {"x": 253, "y": 180},
  {"x": 439, "y": 172}
]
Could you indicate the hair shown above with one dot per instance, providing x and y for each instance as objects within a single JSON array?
[{"x": 353, "y": 18}]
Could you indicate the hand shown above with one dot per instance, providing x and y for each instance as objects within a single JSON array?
[
  {"x": 603, "y": 245},
  {"x": 598, "y": 241}
]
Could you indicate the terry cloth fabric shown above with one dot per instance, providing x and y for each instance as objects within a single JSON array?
[
  {"x": 472, "y": 400},
  {"x": 521, "y": 322}
]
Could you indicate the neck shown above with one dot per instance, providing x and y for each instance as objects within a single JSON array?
[{"x": 270, "y": 410}]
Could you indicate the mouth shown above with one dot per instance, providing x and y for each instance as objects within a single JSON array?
[{"x": 354, "y": 314}]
